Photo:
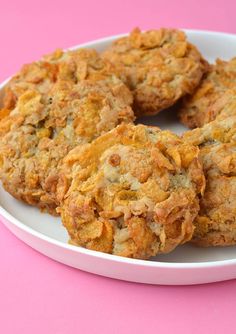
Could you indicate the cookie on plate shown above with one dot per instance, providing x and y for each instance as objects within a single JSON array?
[
  {"x": 132, "y": 192},
  {"x": 43, "y": 127},
  {"x": 209, "y": 98},
  {"x": 216, "y": 221},
  {"x": 73, "y": 66},
  {"x": 159, "y": 66}
]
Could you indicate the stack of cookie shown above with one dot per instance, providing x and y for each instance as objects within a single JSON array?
[{"x": 69, "y": 145}]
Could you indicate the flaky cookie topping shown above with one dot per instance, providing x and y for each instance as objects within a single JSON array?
[
  {"x": 159, "y": 66},
  {"x": 132, "y": 192}
]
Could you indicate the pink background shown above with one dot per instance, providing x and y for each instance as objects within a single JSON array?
[{"x": 38, "y": 295}]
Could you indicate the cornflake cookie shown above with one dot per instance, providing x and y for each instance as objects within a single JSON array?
[
  {"x": 224, "y": 107},
  {"x": 43, "y": 128},
  {"x": 209, "y": 98},
  {"x": 72, "y": 66},
  {"x": 132, "y": 192},
  {"x": 159, "y": 66},
  {"x": 216, "y": 221}
]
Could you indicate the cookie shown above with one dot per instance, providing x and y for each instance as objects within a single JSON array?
[
  {"x": 132, "y": 192},
  {"x": 43, "y": 127},
  {"x": 216, "y": 221},
  {"x": 159, "y": 66},
  {"x": 224, "y": 106},
  {"x": 72, "y": 66},
  {"x": 206, "y": 103}
]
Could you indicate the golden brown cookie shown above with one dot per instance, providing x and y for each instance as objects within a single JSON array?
[
  {"x": 209, "y": 98},
  {"x": 216, "y": 221},
  {"x": 159, "y": 66},
  {"x": 72, "y": 66},
  {"x": 131, "y": 192},
  {"x": 44, "y": 127}
]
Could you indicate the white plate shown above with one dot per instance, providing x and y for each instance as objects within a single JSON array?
[{"x": 186, "y": 265}]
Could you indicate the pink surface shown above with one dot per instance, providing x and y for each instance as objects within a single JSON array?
[{"x": 38, "y": 295}]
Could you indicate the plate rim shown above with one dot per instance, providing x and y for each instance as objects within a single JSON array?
[
  {"x": 110, "y": 257},
  {"x": 186, "y": 30}
]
